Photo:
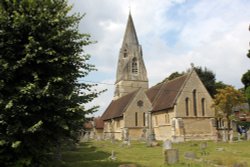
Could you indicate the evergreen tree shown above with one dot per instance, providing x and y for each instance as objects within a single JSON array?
[{"x": 41, "y": 100}]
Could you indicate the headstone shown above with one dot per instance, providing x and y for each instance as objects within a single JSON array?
[
  {"x": 231, "y": 136},
  {"x": 171, "y": 156},
  {"x": 248, "y": 135},
  {"x": 224, "y": 136},
  {"x": 203, "y": 147},
  {"x": 190, "y": 155},
  {"x": 239, "y": 135},
  {"x": 167, "y": 145}
]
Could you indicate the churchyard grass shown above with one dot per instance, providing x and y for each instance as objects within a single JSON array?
[{"x": 97, "y": 153}]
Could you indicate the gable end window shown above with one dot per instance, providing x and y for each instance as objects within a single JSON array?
[
  {"x": 187, "y": 106},
  {"x": 203, "y": 106},
  {"x": 136, "y": 119},
  {"x": 194, "y": 102}
]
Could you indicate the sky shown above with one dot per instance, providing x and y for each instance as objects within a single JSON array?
[{"x": 173, "y": 34}]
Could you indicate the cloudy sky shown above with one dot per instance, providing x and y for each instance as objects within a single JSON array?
[{"x": 173, "y": 34}]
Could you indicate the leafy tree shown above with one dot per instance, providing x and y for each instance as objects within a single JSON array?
[
  {"x": 225, "y": 100},
  {"x": 208, "y": 79},
  {"x": 247, "y": 94},
  {"x": 172, "y": 76},
  {"x": 246, "y": 79},
  {"x": 206, "y": 76},
  {"x": 41, "y": 100}
]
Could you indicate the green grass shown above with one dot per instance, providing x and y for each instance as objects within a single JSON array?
[{"x": 96, "y": 153}]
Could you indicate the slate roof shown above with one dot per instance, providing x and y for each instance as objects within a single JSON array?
[
  {"x": 164, "y": 95},
  {"x": 117, "y": 107},
  {"x": 98, "y": 122}
]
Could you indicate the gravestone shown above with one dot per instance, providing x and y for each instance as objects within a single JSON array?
[
  {"x": 239, "y": 135},
  {"x": 231, "y": 136},
  {"x": 171, "y": 156},
  {"x": 167, "y": 145},
  {"x": 190, "y": 155},
  {"x": 203, "y": 147},
  {"x": 248, "y": 135},
  {"x": 224, "y": 136}
]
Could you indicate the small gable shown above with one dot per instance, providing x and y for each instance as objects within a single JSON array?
[{"x": 118, "y": 106}]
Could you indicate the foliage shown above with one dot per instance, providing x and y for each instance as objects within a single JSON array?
[
  {"x": 207, "y": 77},
  {"x": 225, "y": 100},
  {"x": 41, "y": 101},
  {"x": 172, "y": 76},
  {"x": 246, "y": 79},
  {"x": 247, "y": 94}
]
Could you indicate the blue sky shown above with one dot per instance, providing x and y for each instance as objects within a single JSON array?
[{"x": 173, "y": 34}]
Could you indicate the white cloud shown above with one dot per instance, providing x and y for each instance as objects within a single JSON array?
[{"x": 173, "y": 33}]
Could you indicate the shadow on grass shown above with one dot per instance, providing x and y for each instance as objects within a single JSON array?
[{"x": 89, "y": 156}]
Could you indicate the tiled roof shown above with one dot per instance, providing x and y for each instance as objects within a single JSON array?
[
  {"x": 164, "y": 95},
  {"x": 98, "y": 122},
  {"x": 88, "y": 125},
  {"x": 117, "y": 107}
]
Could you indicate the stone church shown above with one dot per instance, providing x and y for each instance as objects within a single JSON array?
[{"x": 179, "y": 109}]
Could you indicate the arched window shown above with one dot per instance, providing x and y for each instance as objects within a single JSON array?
[
  {"x": 203, "y": 104},
  {"x": 187, "y": 106},
  {"x": 134, "y": 66},
  {"x": 167, "y": 119},
  {"x": 194, "y": 102},
  {"x": 125, "y": 53}
]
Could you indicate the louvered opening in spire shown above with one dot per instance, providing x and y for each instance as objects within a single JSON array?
[{"x": 130, "y": 36}]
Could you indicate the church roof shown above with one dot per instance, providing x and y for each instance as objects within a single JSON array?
[
  {"x": 130, "y": 36},
  {"x": 164, "y": 95},
  {"x": 98, "y": 122},
  {"x": 117, "y": 107}
]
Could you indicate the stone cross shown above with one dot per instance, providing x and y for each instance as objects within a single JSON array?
[{"x": 167, "y": 145}]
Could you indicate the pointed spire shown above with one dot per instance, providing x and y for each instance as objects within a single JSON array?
[{"x": 130, "y": 36}]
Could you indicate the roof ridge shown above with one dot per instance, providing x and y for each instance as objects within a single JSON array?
[{"x": 159, "y": 92}]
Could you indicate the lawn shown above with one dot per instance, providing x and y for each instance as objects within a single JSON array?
[{"x": 96, "y": 154}]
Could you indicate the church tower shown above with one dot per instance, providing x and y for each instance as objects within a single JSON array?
[{"x": 131, "y": 72}]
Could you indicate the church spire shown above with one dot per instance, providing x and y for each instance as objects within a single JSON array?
[
  {"x": 131, "y": 72},
  {"x": 130, "y": 37}
]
